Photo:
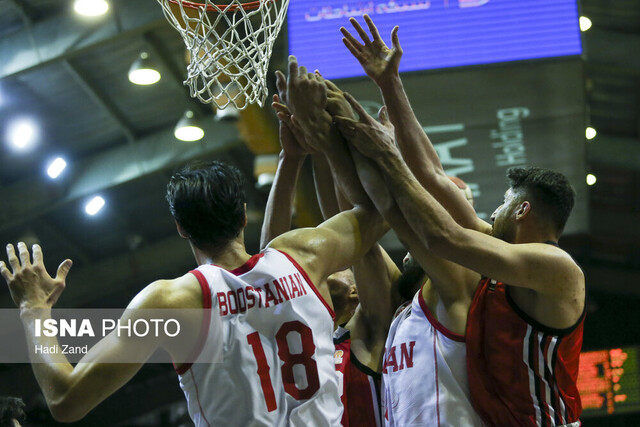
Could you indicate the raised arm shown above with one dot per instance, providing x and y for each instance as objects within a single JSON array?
[
  {"x": 341, "y": 240},
  {"x": 278, "y": 211},
  {"x": 454, "y": 283},
  {"x": 540, "y": 267},
  {"x": 381, "y": 64},
  {"x": 72, "y": 391}
]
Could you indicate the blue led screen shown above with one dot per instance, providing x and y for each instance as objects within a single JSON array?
[{"x": 435, "y": 34}]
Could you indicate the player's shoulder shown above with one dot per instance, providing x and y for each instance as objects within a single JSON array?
[
  {"x": 181, "y": 292},
  {"x": 302, "y": 241}
]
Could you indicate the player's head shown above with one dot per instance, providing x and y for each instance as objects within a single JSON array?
[
  {"x": 412, "y": 277},
  {"x": 207, "y": 201},
  {"x": 11, "y": 411},
  {"x": 344, "y": 295},
  {"x": 544, "y": 196}
]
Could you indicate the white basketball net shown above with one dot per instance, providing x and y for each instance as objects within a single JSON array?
[{"x": 229, "y": 48}]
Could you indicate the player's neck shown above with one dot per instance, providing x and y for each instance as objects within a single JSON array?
[
  {"x": 231, "y": 256},
  {"x": 534, "y": 233}
]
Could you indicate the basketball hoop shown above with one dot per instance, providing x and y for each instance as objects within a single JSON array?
[{"x": 229, "y": 47}]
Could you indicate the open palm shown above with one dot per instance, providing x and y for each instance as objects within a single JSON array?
[{"x": 376, "y": 58}]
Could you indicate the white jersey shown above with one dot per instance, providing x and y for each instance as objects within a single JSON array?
[
  {"x": 276, "y": 338},
  {"x": 424, "y": 372}
]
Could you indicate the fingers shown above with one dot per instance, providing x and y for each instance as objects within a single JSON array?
[
  {"x": 38, "y": 259},
  {"x": 293, "y": 67},
  {"x": 361, "y": 32},
  {"x": 395, "y": 40},
  {"x": 303, "y": 73},
  {"x": 4, "y": 271},
  {"x": 332, "y": 86},
  {"x": 364, "y": 116},
  {"x": 349, "y": 37},
  {"x": 280, "y": 108},
  {"x": 25, "y": 258},
  {"x": 372, "y": 28},
  {"x": 383, "y": 116},
  {"x": 281, "y": 83},
  {"x": 352, "y": 48},
  {"x": 13, "y": 259},
  {"x": 346, "y": 126},
  {"x": 63, "y": 269}
]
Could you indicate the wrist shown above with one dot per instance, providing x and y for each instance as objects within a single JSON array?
[
  {"x": 390, "y": 82},
  {"x": 292, "y": 156},
  {"x": 28, "y": 313}
]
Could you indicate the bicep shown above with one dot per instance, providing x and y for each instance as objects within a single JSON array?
[
  {"x": 538, "y": 266},
  {"x": 336, "y": 243}
]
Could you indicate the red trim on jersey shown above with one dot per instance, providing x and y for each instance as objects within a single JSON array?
[
  {"x": 533, "y": 322},
  {"x": 306, "y": 277},
  {"x": 434, "y": 322},
  {"x": 206, "y": 320},
  {"x": 195, "y": 385},
  {"x": 435, "y": 359},
  {"x": 247, "y": 266}
]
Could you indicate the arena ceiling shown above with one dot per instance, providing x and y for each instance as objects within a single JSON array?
[{"x": 70, "y": 75}]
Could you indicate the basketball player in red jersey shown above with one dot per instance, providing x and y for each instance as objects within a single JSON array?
[
  {"x": 213, "y": 222},
  {"x": 524, "y": 329}
]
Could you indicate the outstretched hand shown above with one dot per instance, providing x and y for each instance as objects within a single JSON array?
[
  {"x": 29, "y": 283},
  {"x": 306, "y": 94},
  {"x": 292, "y": 139},
  {"x": 378, "y": 61},
  {"x": 373, "y": 139}
]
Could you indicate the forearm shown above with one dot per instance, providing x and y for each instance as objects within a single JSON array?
[
  {"x": 346, "y": 176},
  {"x": 277, "y": 216},
  {"x": 429, "y": 220},
  {"x": 374, "y": 275},
  {"x": 51, "y": 368},
  {"x": 326, "y": 190},
  {"x": 414, "y": 144}
]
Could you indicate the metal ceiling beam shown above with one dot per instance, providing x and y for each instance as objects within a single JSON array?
[
  {"x": 102, "y": 101},
  {"x": 125, "y": 163},
  {"x": 176, "y": 74},
  {"x": 64, "y": 36}
]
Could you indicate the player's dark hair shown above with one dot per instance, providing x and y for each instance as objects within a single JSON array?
[
  {"x": 551, "y": 193},
  {"x": 207, "y": 200},
  {"x": 11, "y": 408},
  {"x": 410, "y": 279}
]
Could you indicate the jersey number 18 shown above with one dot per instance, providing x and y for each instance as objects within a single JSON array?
[{"x": 289, "y": 361}]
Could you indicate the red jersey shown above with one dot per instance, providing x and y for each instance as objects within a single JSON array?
[
  {"x": 360, "y": 386},
  {"x": 520, "y": 372}
]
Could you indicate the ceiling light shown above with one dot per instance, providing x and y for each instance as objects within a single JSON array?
[
  {"x": 56, "y": 167},
  {"x": 91, "y": 7},
  {"x": 143, "y": 71},
  {"x": 94, "y": 205},
  {"x": 188, "y": 128},
  {"x": 585, "y": 23},
  {"x": 590, "y": 133},
  {"x": 591, "y": 179},
  {"x": 22, "y": 134}
]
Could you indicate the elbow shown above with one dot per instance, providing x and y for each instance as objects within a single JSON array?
[{"x": 64, "y": 411}]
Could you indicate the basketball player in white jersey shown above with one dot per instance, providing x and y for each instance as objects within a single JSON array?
[
  {"x": 278, "y": 366},
  {"x": 424, "y": 369}
]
